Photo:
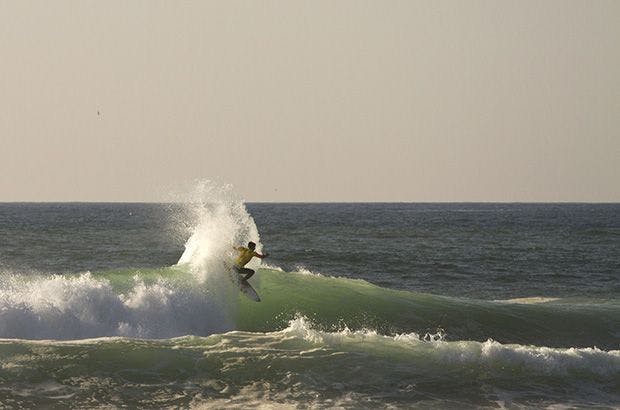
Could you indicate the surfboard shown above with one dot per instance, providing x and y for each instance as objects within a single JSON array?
[
  {"x": 243, "y": 284},
  {"x": 248, "y": 290}
]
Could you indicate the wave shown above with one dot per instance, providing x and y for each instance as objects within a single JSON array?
[
  {"x": 303, "y": 364},
  {"x": 447, "y": 356},
  {"x": 169, "y": 302}
]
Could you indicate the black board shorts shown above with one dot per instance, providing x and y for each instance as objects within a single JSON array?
[{"x": 242, "y": 271}]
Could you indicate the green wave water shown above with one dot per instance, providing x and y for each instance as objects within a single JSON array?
[{"x": 331, "y": 303}]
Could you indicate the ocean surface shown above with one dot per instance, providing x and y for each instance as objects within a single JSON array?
[{"x": 363, "y": 305}]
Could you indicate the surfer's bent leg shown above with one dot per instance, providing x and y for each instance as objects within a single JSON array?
[
  {"x": 248, "y": 272},
  {"x": 244, "y": 271}
]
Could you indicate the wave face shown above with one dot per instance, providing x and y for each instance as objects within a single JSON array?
[
  {"x": 300, "y": 364},
  {"x": 331, "y": 303}
]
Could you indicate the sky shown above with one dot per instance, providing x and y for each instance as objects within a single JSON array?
[{"x": 312, "y": 101}]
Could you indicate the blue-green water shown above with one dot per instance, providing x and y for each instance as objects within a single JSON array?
[{"x": 364, "y": 305}]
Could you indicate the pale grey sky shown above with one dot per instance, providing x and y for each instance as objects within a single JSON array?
[{"x": 311, "y": 101}]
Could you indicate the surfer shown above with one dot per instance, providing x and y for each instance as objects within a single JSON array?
[{"x": 245, "y": 255}]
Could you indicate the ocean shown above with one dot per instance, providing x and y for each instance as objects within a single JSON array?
[{"x": 364, "y": 305}]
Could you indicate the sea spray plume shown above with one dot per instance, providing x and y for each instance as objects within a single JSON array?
[{"x": 219, "y": 220}]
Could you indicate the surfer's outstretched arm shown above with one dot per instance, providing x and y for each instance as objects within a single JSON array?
[{"x": 258, "y": 255}]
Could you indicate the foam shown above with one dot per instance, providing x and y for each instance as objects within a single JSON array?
[
  {"x": 448, "y": 354},
  {"x": 304, "y": 271},
  {"x": 533, "y": 300},
  {"x": 77, "y": 307}
]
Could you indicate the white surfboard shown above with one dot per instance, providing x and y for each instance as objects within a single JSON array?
[
  {"x": 248, "y": 290},
  {"x": 243, "y": 284}
]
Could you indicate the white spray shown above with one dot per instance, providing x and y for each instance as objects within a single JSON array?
[{"x": 220, "y": 221}]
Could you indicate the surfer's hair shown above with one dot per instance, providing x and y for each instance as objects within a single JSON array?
[{"x": 251, "y": 245}]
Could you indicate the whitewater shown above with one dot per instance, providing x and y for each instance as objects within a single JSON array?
[{"x": 443, "y": 330}]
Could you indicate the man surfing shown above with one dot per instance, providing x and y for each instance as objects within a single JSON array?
[{"x": 245, "y": 255}]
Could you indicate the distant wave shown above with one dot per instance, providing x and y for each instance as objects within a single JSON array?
[{"x": 530, "y": 300}]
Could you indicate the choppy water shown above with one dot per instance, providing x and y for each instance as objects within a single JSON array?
[{"x": 364, "y": 305}]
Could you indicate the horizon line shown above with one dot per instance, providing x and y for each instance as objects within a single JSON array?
[{"x": 318, "y": 202}]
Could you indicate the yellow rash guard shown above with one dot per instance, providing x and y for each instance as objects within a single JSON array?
[{"x": 244, "y": 256}]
